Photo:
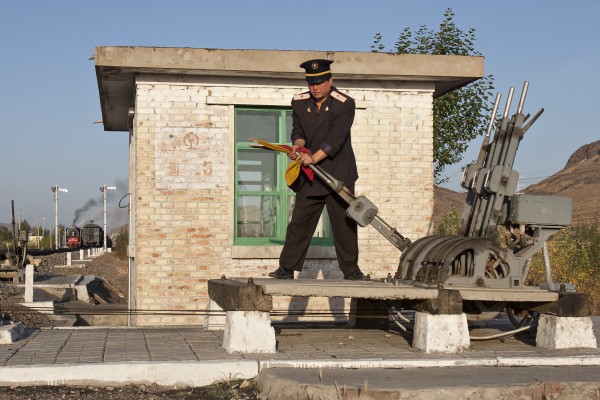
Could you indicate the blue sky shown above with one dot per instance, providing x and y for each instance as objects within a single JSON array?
[{"x": 49, "y": 96}]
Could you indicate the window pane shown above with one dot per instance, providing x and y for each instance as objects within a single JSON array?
[
  {"x": 257, "y": 170},
  {"x": 257, "y": 216},
  {"x": 262, "y": 196},
  {"x": 323, "y": 229},
  {"x": 291, "y": 202},
  {"x": 257, "y": 124}
]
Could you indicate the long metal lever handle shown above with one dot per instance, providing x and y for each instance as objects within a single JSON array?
[{"x": 390, "y": 233}]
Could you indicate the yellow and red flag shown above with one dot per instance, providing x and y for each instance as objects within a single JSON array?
[{"x": 293, "y": 177}]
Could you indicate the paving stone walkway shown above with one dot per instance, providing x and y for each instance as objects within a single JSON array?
[{"x": 171, "y": 344}]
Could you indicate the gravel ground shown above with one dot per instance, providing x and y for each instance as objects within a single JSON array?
[
  {"x": 226, "y": 390},
  {"x": 114, "y": 271},
  {"x": 107, "y": 266},
  {"x": 10, "y": 309}
]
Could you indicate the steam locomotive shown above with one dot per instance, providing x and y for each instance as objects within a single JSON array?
[
  {"x": 73, "y": 237},
  {"x": 91, "y": 235}
]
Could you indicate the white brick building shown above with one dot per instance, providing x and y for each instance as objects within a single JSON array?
[{"x": 204, "y": 205}]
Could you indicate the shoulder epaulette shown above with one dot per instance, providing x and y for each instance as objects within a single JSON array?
[
  {"x": 302, "y": 96},
  {"x": 339, "y": 96}
]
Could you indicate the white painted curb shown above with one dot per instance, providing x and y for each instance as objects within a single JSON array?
[
  {"x": 445, "y": 362},
  {"x": 182, "y": 374}
]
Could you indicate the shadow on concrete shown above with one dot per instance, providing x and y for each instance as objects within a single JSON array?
[{"x": 299, "y": 305}]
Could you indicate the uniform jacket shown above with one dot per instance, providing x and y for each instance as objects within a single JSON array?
[{"x": 328, "y": 130}]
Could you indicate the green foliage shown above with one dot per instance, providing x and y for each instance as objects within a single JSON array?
[
  {"x": 45, "y": 242},
  {"x": 574, "y": 255},
  {"x": 5, "y": 237},
  {"x": 24, "y": 226},
  {"x": 449, "y": 224},
  {"x": 121, "y": 244},
  {"x": 461, "y": 115}
]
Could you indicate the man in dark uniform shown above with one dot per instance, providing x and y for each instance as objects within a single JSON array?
[{"x": 321, "y": 122}]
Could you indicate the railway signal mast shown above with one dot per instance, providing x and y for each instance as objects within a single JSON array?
[
  {"x": 56, "y": 189},
  {"x": 103, "y": 189}
]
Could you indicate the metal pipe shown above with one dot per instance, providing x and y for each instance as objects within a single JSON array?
[
  {"x": 547, "y": 267},
  {"x": 535, "y": 117},
  {"x": 402, "y": 327},
  {"x": 12, "y": 204},
  {"x": 508, "y": 101},
  {"x": 396, "y": 316},
  {"x": 501, "y": 335},
  {"x": 402, "y": 317},
  {"x": 103, "y": 189},
  {"x": 523, "y": 95},
  {"x": 104, "y": 215},
  {"x": 55, "y": 217},
  {"x": 56, "y": 189},
  {"x": 486, "y": 139},
  {"x": 494, "y": 111}
]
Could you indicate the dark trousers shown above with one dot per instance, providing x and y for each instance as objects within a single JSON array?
[{"x": 305, "y": 218}]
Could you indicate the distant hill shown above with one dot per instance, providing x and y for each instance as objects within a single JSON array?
[
  {"x": 579, "y": 180},
  {"x": 444, "y": 201}
]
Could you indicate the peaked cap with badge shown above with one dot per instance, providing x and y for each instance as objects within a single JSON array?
[{"x": 317, "y": 71}]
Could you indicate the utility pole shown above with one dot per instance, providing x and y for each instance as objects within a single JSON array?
[
  {"x": 43, "y": 231},
  {"x": 103, "y": 189},
  {"x": 56, "y": 189}
]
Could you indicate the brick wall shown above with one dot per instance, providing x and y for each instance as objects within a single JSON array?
[{"x": 184, "y": 187}]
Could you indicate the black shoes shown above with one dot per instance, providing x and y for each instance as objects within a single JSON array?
[
  {"x": 357, "y": 276},
  {"x": 282, "y": 273}
]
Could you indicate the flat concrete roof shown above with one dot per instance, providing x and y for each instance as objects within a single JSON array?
[{"x": 116, "y": 68}]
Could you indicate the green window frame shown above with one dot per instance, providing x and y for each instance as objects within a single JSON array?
[{"x": 263, "y": 202}]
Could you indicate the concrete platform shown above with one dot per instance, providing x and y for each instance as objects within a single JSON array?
[{"x": 330, "y": 356}]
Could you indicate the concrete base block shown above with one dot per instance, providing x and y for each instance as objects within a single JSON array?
[
  {"x": 82, "y": 293},
  {"x": 216, "y": 319},
  {"x": 10, "y": 333},
  {"x": 249, "y": 332},
  {"x": 444, "y": 333},
  {"x": 565, "y": 333}
]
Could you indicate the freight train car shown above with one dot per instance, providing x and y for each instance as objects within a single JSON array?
[{"x": 92, "y": 235}]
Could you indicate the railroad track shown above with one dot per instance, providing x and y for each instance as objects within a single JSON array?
[{"x": 36, "y": 252}]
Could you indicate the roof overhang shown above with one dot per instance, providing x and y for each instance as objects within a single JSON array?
[{"x": 117, "y": 67}]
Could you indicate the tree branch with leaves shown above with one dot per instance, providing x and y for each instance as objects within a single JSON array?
[{"x": 458, "y": 116}]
